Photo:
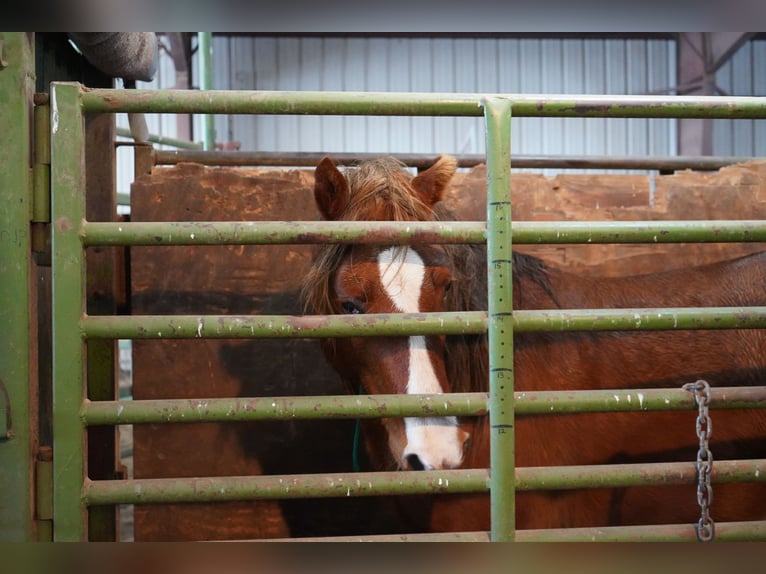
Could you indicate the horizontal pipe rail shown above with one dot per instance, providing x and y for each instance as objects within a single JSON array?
[
  {"x": 624, "y": 475},
  {"x": 657, "y": 319},
  {"x": 282, "y": 408},
  {"x": 415, "y": 537},
  {"x": 724, "y": 532},
  {"x": 374, "y": 232},
  {"x": 279, "y": 326},
  {"x": 162, "y": 140},
  {"x": 634, "y": 400},
  {"x": 613, "y": 232},
  {"x": 422, "y": 161},
  {"x": 404, "y": 324},
  {"x": 416, "y": 104},
  {"x": 228, "y": 488},
  {"x": 279, "y": 232},
  {"x": 371, "y": 406}
]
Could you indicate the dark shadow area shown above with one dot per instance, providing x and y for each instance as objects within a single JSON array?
[
  {"x": 296, "y": 367},
  {"x": 257, "y": 368}
]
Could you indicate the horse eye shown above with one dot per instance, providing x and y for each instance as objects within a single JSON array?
[
  {"x": 350, "y": 308},
  {"x": 448, "y": 286}
]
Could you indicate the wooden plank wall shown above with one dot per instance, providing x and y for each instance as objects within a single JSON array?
[
  {"x": 266, "y": 280},
  {"x": 234, "y": 280},
  {"x": 734, "y": 192}
]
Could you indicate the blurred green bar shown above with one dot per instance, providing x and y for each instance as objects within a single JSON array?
[
  {"x": 724, "y": 532},
  {"x": 279, "y": 232},
  {"x": 68, "y": 209},
  {"x": 238, "y": 409},
  {"x": 313, "y": 232},
  {"x": 418, "y": 104},
  {"x": 394, "y": 324},
  {"x": 18, "y": 340},
  {"x": 281, "y": 408},
  {"x": 163, "y": 140},
  {"x": 274, "y": 487},
  {"x": 500, "y": 327}
]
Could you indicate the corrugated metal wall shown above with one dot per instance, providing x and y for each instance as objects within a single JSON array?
[
  {"x": 504, "y": 65},
  {"x": 445, "y": 65},
  {"x": 159, "y": 124},
  {"x": 743, "y": 75}
]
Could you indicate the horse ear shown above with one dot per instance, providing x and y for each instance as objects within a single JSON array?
[
  {"x": 330, "y": 189},
  {"x": 430, "y": 184}
]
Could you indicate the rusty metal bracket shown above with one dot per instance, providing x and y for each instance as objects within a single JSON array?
[
  {"x": 6, "y": 424},
  {"x": 41, "y": 182}
]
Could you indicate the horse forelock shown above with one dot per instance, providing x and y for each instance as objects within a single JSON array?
[
  {"x": 381, "y": 190},
  {"x": 316, "y": 292}
]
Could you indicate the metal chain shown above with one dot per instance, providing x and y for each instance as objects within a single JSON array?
[{"x": 704, "y": 426}]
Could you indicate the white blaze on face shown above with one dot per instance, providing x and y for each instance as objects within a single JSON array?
[{"x": 437, "y": 441}]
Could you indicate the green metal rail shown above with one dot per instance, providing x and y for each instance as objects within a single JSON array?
[
  {"x": 68, "y": 262},
  {"x": 448, "y": 323},
  {"x": 501, "y": 325},
  {"x": 162, "y": 140},
  {"x": 74, "y": 492},
  {"x": 205, "y": 56},
  {"x": 226, "y": 488},
  {"x": 522, "y": 232},
  {"x": 417, "y": 104},
  {"x": 311, "y": 159},
  {"x": 724, "y": 532},
  {"x": 364, "y": 406}
]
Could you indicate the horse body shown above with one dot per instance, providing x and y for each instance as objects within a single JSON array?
[{"x": 373, "y": 279}]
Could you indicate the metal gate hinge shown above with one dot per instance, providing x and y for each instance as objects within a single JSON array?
[
  {"x": 41, "y": 167},
  {"x": 40, "y": 215}
]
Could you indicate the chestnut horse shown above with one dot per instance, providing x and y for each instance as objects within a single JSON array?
[{"x": 435, "y": 278}]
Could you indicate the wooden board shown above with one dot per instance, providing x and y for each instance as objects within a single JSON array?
[
  {"x": 233, "y": 280},
  {"x": 735, "y": 192}
]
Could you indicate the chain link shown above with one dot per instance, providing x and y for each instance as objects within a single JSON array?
[{"x": 704, "y": 427}]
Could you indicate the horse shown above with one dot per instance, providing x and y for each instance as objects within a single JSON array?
[{"x": 357, "y": 279}]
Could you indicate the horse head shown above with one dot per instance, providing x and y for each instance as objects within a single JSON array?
[{"x": 364, "y": 279}]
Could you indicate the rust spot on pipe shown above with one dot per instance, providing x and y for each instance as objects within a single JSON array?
[{"x": 63, "y": 224}]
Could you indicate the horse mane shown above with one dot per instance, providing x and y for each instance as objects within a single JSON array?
[{"x": 529, "y": 269}]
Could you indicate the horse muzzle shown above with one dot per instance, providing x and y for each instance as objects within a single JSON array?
[{"x": 433, "y": 443}]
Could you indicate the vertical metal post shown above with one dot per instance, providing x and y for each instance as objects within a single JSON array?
[
  {"x": 68, "y": 261},
  {"x": 101, "y": 286},
  {"x": 205, "y": 55},
  {"x": 497, "y": 113},
  {"x": 18, "y": 422}
]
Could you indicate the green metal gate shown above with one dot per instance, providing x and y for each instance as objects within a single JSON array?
[{"x": 75, "y": 493}]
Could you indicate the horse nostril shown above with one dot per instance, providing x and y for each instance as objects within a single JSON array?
[{"x": 414, "y": 461}]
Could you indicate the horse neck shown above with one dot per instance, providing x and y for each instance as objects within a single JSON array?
[{"x": 723, "y": 283}]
